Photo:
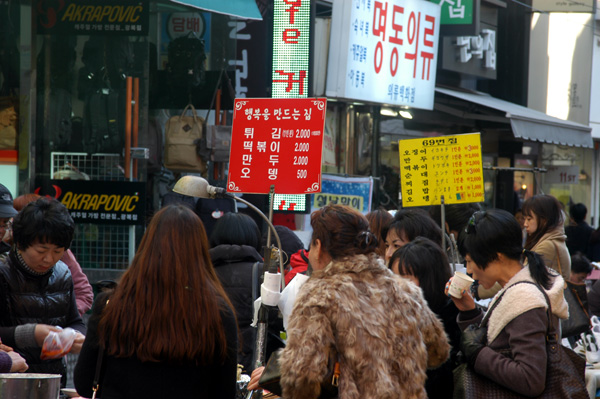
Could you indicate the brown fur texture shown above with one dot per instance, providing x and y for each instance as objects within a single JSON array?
[{"x": 378, "y": 325}]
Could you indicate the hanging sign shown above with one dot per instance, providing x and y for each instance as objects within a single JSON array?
[
  {"x": 384, "y": 51},
  {"x": 89, "y": 17},
  {"x": 448, "y": 166},
  {"x": 276, "y": 141},
  {"x": 355, "y": 192}
]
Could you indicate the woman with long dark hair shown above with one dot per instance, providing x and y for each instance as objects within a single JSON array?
[
  {"x": 168, "y": 329},
  {"x": 423, "y": 262},
  {"x": 544, "y": 222}
]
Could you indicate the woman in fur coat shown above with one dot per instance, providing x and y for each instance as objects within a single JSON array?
[
  {"x": 356, "y": 310},
  {"x": 493, "y": 253}
]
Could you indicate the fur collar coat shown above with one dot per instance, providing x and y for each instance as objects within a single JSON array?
[{"x": 377, "y": 324}]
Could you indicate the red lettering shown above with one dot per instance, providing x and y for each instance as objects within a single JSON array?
[
  {"x": 379, "y": 18},
  {"x": 290, "y": 80},
  {"x": 378, "y": 57},
  {"x": 294, "y": 8},
  {"x": 397, "y": 28},
  {"x": 291, "y": 36}
]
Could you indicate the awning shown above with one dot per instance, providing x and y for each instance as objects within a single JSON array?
[
  {"x": 244, "y": 9},
  {"x": 529, "y": 124}
]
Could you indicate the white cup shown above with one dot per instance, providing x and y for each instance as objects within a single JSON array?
[{"x": 459, "y": 283}]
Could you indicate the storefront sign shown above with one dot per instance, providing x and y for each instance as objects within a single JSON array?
[
  {"x": 355, "y": 192},
  {"x": 562, "y": 175},
  {"x": 185, "y": 23},
  {"x": 100, "y": 202},
  {"x": 89, "y": 17},
  {"x": 448, "y": 166},
  {"x": 384, "y": 51},
  {"x": 455, "y": 12},
  {"x": 276, "y": 141},
  {"x": 291, "y": 52},
  {"x": 545, "y": 6}
]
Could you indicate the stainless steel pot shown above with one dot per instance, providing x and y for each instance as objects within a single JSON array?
[{"x": 29, "y": 386}]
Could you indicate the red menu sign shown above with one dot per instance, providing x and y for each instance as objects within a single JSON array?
[{"x": 276, "y": 141}]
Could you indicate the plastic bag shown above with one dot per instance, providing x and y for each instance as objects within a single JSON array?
[{"x": 58, "y": 344}]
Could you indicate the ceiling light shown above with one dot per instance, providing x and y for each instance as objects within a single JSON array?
[
  {"x": 406, "y": 114},
  {"x": 388, "y": 112}
]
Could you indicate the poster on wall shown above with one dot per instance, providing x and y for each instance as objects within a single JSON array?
[
  {"x": 384, "y": 51},
  {"x": 444, "y": 166},
  {"x": 355, "y": 192},
  {"x": 8, "y": 130},
  {"x": 98, "y": 202}
]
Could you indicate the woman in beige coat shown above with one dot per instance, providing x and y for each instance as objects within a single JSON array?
[
  {"x": 354, "y": 309},
  {"x": 544, "y": 222}
]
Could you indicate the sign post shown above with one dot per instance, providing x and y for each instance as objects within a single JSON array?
[{"x": 448, "y": 166}]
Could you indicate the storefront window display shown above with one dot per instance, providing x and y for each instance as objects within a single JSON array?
[{"x": 64, "y": 95}]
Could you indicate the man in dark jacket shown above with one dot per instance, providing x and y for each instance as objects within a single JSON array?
[
  {"x": 37, "y": 291},
  {"x": 579, "y": 232}
]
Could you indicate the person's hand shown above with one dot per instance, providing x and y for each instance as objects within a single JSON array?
[
  {"x": 78, "y": 343},
  {"x": 5, "y": 348},
  {"x": 42, "y": 331},
  {"x": 472, "y": 341},
  {"x": 465, "y": 302},
  {"x": 254, "y": 378},
  {"x": 19, "y": 365}
]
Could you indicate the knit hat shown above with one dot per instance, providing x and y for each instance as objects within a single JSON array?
[
  {"x": 6, "y": 203},
  {"x": 290, "y": 242}
]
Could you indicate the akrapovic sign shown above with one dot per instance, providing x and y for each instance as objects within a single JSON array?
[
  {"x": 89, "y": 17},
  {"x": 108, "y": 202}
]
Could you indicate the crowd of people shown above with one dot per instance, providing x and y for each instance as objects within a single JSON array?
[{"x": 179, "y": 322}]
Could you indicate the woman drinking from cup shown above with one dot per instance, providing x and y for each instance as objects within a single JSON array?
[{"x": 519, "y": 322}]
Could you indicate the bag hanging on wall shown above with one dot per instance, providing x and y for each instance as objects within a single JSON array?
[
  {"x": 565, "y": 373},
  {"x": 180, "y": 151}
]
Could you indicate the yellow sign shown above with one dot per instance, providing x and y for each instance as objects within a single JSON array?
[
  {"x": 448, "y": 166},
  {"x": 353, "y": 201}
]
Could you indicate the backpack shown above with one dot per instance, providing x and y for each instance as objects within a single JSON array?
[
  {"x": 152, "y": 138},
  {"x": 181, "y": 133},
  {"x": 54, "y": 118},
  {"x": 185, "y": 65},
  {"x": 101, "y": 129}
]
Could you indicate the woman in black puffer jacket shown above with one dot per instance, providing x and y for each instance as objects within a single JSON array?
[{"x": 235, "y": 244}]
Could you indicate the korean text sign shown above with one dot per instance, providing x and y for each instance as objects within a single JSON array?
[
  {"x": 448, "y": 166},
  {"x": 384, "y": 51},
  {"x": 276, "y": 141}
]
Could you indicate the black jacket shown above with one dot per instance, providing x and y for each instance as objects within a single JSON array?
[
  {"x": 233, "y": 264},
  {"x": 39, "y": 299}
]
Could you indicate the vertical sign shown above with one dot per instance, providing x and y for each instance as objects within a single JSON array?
[
  {"x": 384, "y": 51},
  {"x": 446, "y": 165},
  {"x": 276, "y": 142},
  {"x": 291, "y": 28}
]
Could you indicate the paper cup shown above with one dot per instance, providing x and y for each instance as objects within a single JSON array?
[{"x": 460, "y": 282}]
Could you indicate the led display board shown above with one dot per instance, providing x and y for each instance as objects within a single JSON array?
[{"x": 291, "y": 34}]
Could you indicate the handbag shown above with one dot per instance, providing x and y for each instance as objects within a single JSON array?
[
  {"x": 565, "y": 373},
  {"x": 181, "y": 132},
  {"x": 271, "y": 377},
  {"x": 576, "y": 297}
]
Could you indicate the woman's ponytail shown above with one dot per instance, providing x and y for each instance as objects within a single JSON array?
[{"x": 537, "y": 268}]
